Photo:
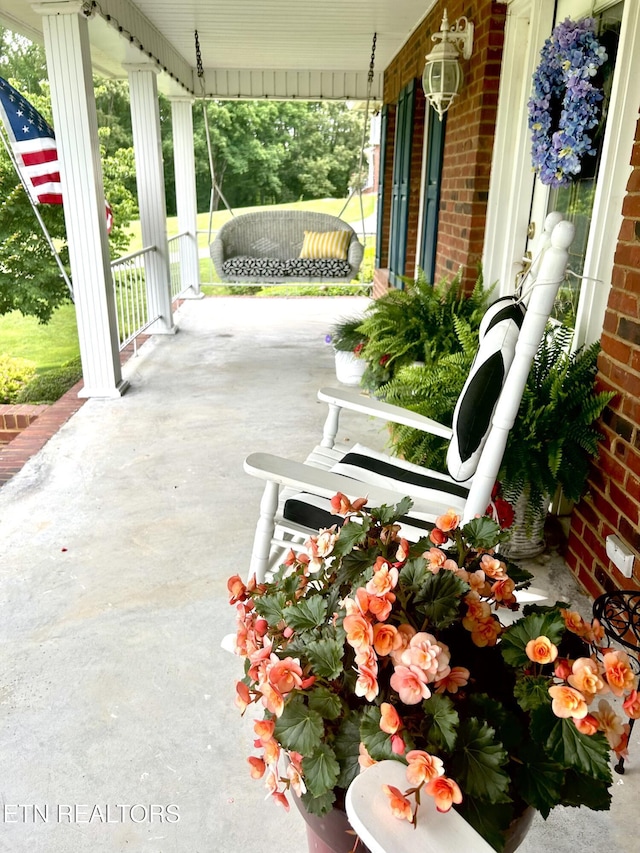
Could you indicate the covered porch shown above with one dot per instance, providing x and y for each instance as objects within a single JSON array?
[{"x": 117, "y": 539}]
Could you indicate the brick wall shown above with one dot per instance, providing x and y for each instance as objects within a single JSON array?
[
  {"x": 13, "y": 419},
  {"x": 469, "y": 136},
  {"x": 613, "y": 502}
]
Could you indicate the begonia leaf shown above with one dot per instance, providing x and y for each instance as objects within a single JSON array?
[
  {"x": 514, "y": 640},
  {"x": 413, "y": 574},
  {"x": 318, "y": 805},
  {"x": 564, "y": 744},
  {"x": 538, "y": 779},
  {"x": 477, "y": 764},
  {"x": 531, "y": 691},
  {"x": 388, "y": 514},
  {"x": 326, "y": 703},
  {"x": 352, "y": 533},
  {"x": 579, "y": 790},
  {"x": 440, "y": 722},
  {"x": 377, "y": 742},
  {"x": 347, "y": 749},
  {"x": 488, "y": 819},
  {"x": 299, "y": 728},
  {"x": 325, "y": 657},
  {"x": 320, "y": 770},
  {"x": 307, "y": 613},
  {"x": 483, "y": 532},
  {"x": 270, "y": 607},
  {"x": 439, "y": 598}
]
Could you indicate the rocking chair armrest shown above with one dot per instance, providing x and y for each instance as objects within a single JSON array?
[
  {"x": 299, "y": 476},
  {"x": 355, "y": 252},
  {"x": 357, "y": 401},
  {"x": 370, "y": 816}
]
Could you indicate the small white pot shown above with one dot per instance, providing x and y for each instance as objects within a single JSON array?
[{"x": 349, "y": 368}]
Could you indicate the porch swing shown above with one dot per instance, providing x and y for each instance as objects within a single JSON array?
[{"x": 286, "y": 246}]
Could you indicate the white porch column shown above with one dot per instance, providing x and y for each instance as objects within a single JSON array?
[
  {"x": 186, "y": 200},
  {"x": 147, "y": 146},
  {"x": 66, "y": 40}
]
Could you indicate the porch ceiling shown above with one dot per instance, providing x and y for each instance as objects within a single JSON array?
[{"x": 249, "y": 48}]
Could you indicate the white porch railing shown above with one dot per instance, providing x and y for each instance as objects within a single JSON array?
[
  {"x": 177, "y": 246},
  {"x": 130, "y": 293}
]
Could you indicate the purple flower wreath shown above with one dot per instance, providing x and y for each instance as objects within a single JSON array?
[{"x": 570, "y": 59}]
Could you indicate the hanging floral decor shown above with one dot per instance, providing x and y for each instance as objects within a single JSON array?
[{"x": 564, "y": 82}]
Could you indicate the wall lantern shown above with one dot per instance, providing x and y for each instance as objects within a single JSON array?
[{"x": 442, "y": 76}]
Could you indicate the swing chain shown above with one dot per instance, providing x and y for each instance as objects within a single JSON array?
[
  {"x": 373, "y": 58},
  {"x": 199, "y": 67}
]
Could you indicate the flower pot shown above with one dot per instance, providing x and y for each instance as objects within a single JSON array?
[
  {"x": 518, "y": 830},
  {"x": 349, "y": 368},
  {"x": 331, "y": 833},
  {"x": 527, "y": 539}
]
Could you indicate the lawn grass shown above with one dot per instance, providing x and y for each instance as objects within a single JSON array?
[
  {"x": 52, "y": 345},
  {"x": 48, "y": 346}
]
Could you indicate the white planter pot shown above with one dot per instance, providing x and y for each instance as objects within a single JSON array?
[{"x": 349, "y": 369}]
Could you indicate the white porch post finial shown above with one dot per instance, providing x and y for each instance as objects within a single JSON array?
[{"x": 66, "y": 40}]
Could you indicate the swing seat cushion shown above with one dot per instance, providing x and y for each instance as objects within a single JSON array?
[{"x": 267, "y": 246}]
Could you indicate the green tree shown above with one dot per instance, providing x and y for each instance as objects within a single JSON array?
[{"x": 30, "y": 280}]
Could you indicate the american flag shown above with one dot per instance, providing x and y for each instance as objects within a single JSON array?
[{"x": 33, "y": 144}]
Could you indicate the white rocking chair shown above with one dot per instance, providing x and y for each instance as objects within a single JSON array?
[{"x": 296, "y": 499}]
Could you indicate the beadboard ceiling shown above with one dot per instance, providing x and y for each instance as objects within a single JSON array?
[{"x": 249, "y": 48}]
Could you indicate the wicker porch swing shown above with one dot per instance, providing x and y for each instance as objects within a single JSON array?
[{"x": 286, "y": 246}]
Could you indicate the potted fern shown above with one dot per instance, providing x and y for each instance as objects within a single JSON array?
[
  {"x": 416, "y": 325},
  {"x": 555, "y": 435}
]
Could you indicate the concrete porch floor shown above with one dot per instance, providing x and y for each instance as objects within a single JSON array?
[{"x": 116, "y": 541}]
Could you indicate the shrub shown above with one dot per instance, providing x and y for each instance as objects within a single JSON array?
[
  {"x": 49, "y": 387},
  {"x": 15, "y": 373}
]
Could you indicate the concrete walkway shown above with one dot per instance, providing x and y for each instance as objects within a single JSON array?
[{"x": 116, "y": 541}]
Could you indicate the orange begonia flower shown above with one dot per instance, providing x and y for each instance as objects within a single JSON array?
[
  {"x": 541, "y": 650},
  {"x": 400, "y": 805},
  {"x": 390, "y": 721},
  {"x": 438, "y": 537},
  {"x": 364, "y": 759},
  {"x": 359, "y": 631},
  {"x": 492, "y": 567},
  {"x": 383, "y": 581},
  {"x": 423, "y": 767},
  {"x": 562, "y": 669},
  {"x": 567, "y": 702},
  {"x": 243, "y": 697},
  {"x": 586, "y": 678},
  {"x": 257, "y": 767},
  {"x": 445, "y": 792},
  {"x": 281, "y": 798},
  {"x": 410, "y": 684},
  {"x": 610, "y": 724},
  {"x": 447, "y": 522},
  {"x": 451, "y": 683},
  {"x": 618, "y": 672},
  {"x": 385, "y": 638},
  {"x": 264, "y": 729},
  {"x": 381, "y": 606},
  {"x": 237, "y": 589},
  {"x": 367, "y": 683},
  {"x": 272, "y": 699},
  {"x": 574, "y": 622},
  {"x": 587, "y": 725},
  {"x": 631, "y": 705},
  {"x": 485, "y": 632},
  {"x": 285, "y": 675}
]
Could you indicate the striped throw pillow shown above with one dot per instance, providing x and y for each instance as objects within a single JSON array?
[{"x": 325, "y": 244}]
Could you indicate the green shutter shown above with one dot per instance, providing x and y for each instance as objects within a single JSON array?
[
  {"x": 400, "y": 187},
  {"x": 433, "y": 177},
  {"x": 384, "y": 122}
]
